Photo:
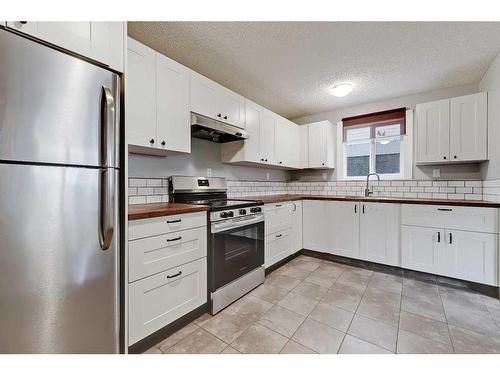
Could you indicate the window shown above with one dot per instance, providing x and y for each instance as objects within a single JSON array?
[{"x": 373, "y": 143}]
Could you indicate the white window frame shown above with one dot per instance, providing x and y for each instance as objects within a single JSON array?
[{"x": 405, "y": 152}]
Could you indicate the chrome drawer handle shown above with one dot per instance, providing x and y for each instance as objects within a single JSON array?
[
  {"x": 174, "y": 239},
  {"x": 172, "y": 276},
  {"x": 174, "y": 221}
]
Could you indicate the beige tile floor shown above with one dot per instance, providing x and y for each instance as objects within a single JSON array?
[{"x": 314, "y": 306}]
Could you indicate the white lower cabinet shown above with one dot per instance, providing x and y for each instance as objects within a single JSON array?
[
  {"x": 379, "y": 233},
  {"x": 277, "y": 247},
  {"x": 167, "y": 271},
  {"x": 343, "y": 231},
  {"x": 160, "y": 299},
  {"x": 465, "y": 255},
  {"x": 278, "y": 217},
  {"x": 316, "y": 225}
]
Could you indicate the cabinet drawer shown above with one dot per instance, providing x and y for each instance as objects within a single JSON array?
[
  {"x": 158, "y": 300},
  {"x": 277, "y": 247},
  {"x": 477, "y": 219},
  {"x": 151, "y": 255},
  {"x": 278, "y": 217},
  {"x": 166, "y": 224}
]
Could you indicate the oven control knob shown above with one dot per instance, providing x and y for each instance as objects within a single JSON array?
[
  {"x": 243, "y": 211},
  {"x": 255, "y": 209},
  {"x": 223, "y": 215},
  {"x": 230, "y": 214}
]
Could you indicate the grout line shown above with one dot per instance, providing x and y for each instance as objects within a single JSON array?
[{"x": 446, "y": 318}]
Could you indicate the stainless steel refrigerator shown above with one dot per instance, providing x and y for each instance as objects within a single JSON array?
[{"x": 59, "y": 204}]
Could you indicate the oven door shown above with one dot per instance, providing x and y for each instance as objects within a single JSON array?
[{"x": 237, "y": 248}]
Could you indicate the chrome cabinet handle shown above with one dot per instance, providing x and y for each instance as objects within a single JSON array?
[
  {"x": 175, "y": 275},
  {"x": 174, "y": 221},
  {"x": 106, "y": 207},
  {"x": 108, "y": 121},
  {"x": 174, "y": 239}
]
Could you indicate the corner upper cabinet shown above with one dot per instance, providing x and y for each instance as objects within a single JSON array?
[
  {"x": 210, "y": 99},
  {"x": 99, "y": 41},
  {"x": 452, "y": 130},
  {"x": 287, "y": 143},
  {"x": 321, "y": 145},
  {"x": 157, "y": 102}
]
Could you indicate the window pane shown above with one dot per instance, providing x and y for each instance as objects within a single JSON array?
[
  {"x": 387, "y": 130},
  {"x": 356, "y": 133},
  {"x": 358, "y": 159},
  {"x": 387, "y": 156}
]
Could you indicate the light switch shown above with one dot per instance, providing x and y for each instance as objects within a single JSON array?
[{"x": 436, "y": 172}]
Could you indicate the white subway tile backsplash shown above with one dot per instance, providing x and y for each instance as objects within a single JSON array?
[{"x": 142, "y": 190}]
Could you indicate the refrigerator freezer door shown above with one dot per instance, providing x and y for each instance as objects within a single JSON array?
[
  {"x": 58, "y": 287},
  {"x": 54, "y": 108}
]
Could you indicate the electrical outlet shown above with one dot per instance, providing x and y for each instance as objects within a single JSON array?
[
  {"x": 268, "y": 176},
  {"x": 436, "y": 172},
  {"x": 324, "y": 176},
  {"x": 209, "y": 172}
]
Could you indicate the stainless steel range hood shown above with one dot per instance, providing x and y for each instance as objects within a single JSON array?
[{"x": 215, "y": 131}]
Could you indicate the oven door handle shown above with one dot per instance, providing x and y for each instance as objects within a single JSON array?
[{"x": 232, "y": 224}]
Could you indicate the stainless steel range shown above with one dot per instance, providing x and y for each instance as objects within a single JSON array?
[{"x": 235, "y": 237}]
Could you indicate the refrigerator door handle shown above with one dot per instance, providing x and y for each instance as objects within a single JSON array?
[
  {"x": 108, "y": 120},
  {"x": 107, "y": 207}
]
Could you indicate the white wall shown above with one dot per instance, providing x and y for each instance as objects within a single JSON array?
[
  {"x": 204, "y": 154},
  {"x": 448, "y": 172},
  {"x": 491, "y": 83}
]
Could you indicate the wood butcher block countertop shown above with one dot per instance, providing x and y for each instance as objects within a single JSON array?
[
  {"x": 144, "y": 211},
  {"x": 440, "y": 202}
]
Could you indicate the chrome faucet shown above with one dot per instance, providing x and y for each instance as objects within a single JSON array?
[{"x": 367, "y": 190}]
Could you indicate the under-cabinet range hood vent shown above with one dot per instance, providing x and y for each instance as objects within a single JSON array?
[{"x": 215, "y": 131}]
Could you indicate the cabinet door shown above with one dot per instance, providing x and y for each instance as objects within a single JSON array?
[
  {"x": 304, "y": 146},
  {"x": 282, "y": 143},
  {"x": 107, "y": 43},
  {"x": 379, "y": 233},
  {"x": 423, "y": 249},
  {"x": 471, "y": 256},
  {"x": 433, "y": 131},
  {"x": 343, "y": 229},
  {"x": 277, "y": 247},
  {"x": 316, "y": 226},
  {"x": 140, "y": 112},
  {"x": 253, "y": 121},
  {"x": 468, "y": 127},
  {"x": 267, "y": 137},
  {"x": 317, "y": 145},
  {"x": 231, "y": 106},
  {"x": 296, "y": 227},
  {"x": 203, "y": 94},
  {"x": 172, "y": 95},
  {"x": 278, "y": 217},
  {"x": 160, "y": 299}
]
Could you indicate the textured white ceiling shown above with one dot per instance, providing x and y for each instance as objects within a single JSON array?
[{"x": 289, "y": 66}]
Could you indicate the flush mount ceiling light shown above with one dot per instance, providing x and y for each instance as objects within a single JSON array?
[{"x": 342, "y": 89}]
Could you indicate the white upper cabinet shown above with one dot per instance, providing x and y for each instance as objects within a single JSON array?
[
  {"x": 99, "y": 41},
  {"x": 303, "y": 146},
  {"x": 433, "y": 131},
  {"x": 268, "y": 137},
  {"x": 157, "y": 102},
  {"x": 321, "y": 145},
  {"x": 172, "y": 96},
  {"x": 468, "y": 127},
  {"x": 287, "y": 143},
  {"x": 140, "y": 95},
  {"x": 452, "y": 130},
  {"x": 210, "y": 99}
]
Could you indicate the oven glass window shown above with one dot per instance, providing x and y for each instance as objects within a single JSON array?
[{"x": 237, "y": 252}]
